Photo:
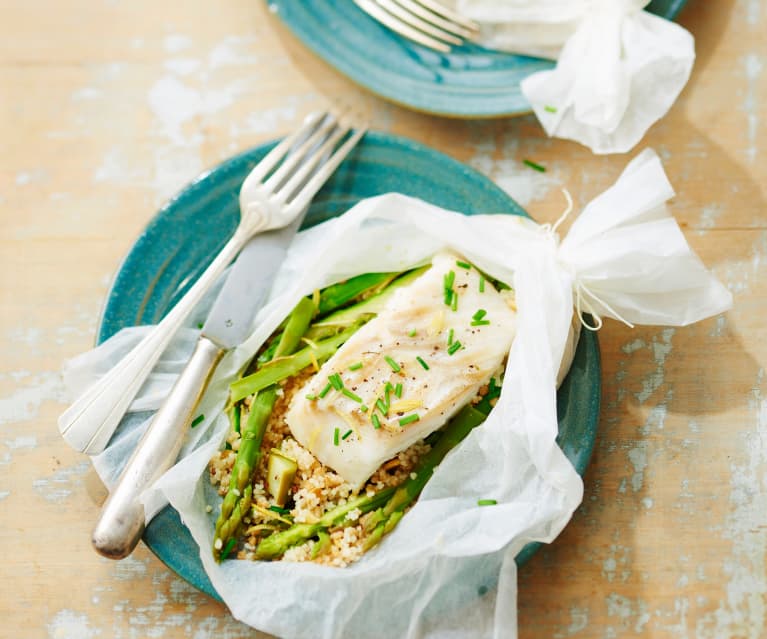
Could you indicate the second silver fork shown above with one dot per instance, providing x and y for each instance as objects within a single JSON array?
[{"x": 426, "y": 22}]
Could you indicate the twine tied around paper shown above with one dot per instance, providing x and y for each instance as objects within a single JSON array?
[{"x": 584, "y": 296}]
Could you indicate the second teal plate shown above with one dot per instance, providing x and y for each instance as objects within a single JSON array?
[{"x": 469, "y": 82}]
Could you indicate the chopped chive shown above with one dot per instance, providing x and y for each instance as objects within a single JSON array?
[
  {"x": 387, "y": 396},
  {"x": 364, "y": 408},
  {"x": 356, "y": 366},
  {"x": 346, "y": 434},
  {"x": 277, "y": 509},
  {"x": 411, "y": 333},
  {"x": 394, "y": 366},
  {"x": 534, "y": 166},
  {"x": 198, "y": 420},
  {"x": 388, "y": 387},
  {"x": 335, "y": 437},
  {"x": 479, "y": 314},
  {"x": 376, "y": 421},
  {"x": 450, "y": 337},
  {"x": 550, "y": 109},
  {"x": 199, "y": 325},
  {"x": 480, "y": 323},
  {"x": 335, "y": 381},
  {"x": 454, "y": 302},
  {"x": 481, "y": 283},
  {"x": 449, "y": 296},
  {"x": 453, "y": 347},
  {"x": 236, "y": 414},
  {"x": 486, "y": 502},
  {"x": 311, "y": 396},
  {"x": 449, "y": 279},
  {"x": 465, "y": 265},
  {"x": 382, "y": 407},
  {"x": 351, "y": 395},
  {"x": 325, "y": 390},
  {"x": 398, "y": 390},
  {"x": 419, "y": 359},
  {"x": 228, "y": 548},
  {"x": 408, "y": 419}
]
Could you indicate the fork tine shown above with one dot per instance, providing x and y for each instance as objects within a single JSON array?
[
  {"x": 298, "y": 156},
  {"x": 449, "y": 14},
  {"x": 412, "y": 20},
  {"x": 375, "y": 11},
  {"x": 271, "y": 159},
  {"x": 309, "y": 165},
  {"x": 436, "y": 19},
  {"x": 305, "y": 195}
]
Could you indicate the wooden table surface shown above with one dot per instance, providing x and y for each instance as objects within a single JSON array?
[{"x": 108, "y": 107}]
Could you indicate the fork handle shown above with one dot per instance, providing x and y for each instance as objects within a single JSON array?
[
  {"x": 88, "y": 424},
  {"x": 121, "y": 523}
]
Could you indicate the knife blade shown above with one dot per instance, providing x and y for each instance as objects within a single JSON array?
[{"x": 247, "y": 286}]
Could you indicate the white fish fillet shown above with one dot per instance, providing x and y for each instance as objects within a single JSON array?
[{"x": 434, "y": 395}]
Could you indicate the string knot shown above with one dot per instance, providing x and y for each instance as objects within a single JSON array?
[{"x": 585, "y": 298}]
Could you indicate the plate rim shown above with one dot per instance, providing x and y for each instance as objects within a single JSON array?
[{"x": 168, "y": 515}]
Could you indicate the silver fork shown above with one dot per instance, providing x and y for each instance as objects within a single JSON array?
[
  {"x": 277, "y": 190},
  {"x": 423, "y": 21}
]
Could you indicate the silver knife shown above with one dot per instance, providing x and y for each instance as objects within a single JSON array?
[
  {"x": 245, "y": 290},
  {"x": 121, "y": 523}
]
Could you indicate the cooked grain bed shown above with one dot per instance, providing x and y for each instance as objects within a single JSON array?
[{"x": 316, "y": 489}]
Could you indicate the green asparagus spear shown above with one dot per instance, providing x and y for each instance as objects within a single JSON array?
[
  {"x": 337, "y": 295},
  {"x": 388, "y": 505},
  {"x": 294, "y": 328},
  {"x": 364, "y": 310},
  {"x": 237, "y": 500},
  {"x": 389, "y": 515},
  {"x": 374, "y": 299},
  {"x": 279, "y": 369},
  {"x": 275, "y": 545},
  {"x": 267, "y": 354},
  {"x": 323, "y": 543},
  {"x": 297, "y": 324}
]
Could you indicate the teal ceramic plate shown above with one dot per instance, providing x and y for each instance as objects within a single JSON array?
[
  {"x": 469, "y": 82},
  {"x": 184, "y": 236}
]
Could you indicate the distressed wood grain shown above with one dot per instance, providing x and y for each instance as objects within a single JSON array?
[{"x": 109, "y": 107}]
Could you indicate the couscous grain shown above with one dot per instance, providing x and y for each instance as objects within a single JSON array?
[{"x": 316, "y": 489}]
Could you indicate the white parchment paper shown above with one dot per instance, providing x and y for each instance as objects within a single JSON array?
[
  {"x": 619, "y": 69},
  {"x": 448, "y": 568}
]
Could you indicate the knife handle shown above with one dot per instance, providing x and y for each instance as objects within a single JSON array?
[{"x": 121, "y": 523}]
